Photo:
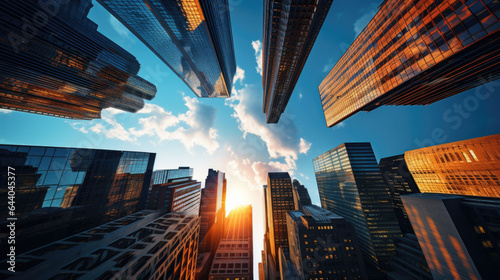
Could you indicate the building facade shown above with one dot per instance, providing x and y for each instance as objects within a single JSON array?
[
  {"x": 193, "y": 38},
  {"x": 62, "y": 191},
  {"x": 323, "y": 245},
  {"x": 414, "y": 53},
  {"x": 234, "y": 256},
  {"x": 459, "y": 235},
  {"x": 400, "y": 182},
  {"x": 409, "y": 262},
  {"x": 290, "y": 30},
  {"x": 468, "y": 167},
  {"x": 301, "y": 196},
  {"x": 350, "y": 184},
  {"x": 61, "y": 66},
  {"x": 144, "y": 245},
  {"x": 164, "y": 176},
  {"x": 176, "y": 197}
]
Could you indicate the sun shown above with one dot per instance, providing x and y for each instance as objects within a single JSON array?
[{"x": 234, "y": 198}]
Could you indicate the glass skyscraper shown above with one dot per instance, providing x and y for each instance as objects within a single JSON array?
[
  {"x": 468, "y": 167},
  {"x": 62, "y": 191},
  {"x": 193, "y": 37},
  {"x": 290, "y": 30},
  {"x": 400, "y": 182},
  {"x": 415, "y": 53},
  {"x": 301, "y": 196},
  {"x": 61, "y": 66},
  {"x": 350, "y": 184}
]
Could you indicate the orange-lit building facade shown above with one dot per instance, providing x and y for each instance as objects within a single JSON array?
[
  {"x": 66, "y": 69},
  {"x": 468, "y": 167},
  {"x": 234, "y": 256},
  {"x": 192, "y": 37},
  {"x": 415, "y": 53}
]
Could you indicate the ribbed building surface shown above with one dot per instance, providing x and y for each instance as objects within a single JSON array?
[
  {"x": 415, "y": 53},
  {"x": 468, "y": 167},
  {"x": 144, "y": 246},
  {"x": 54, "y": 62},
  {"x": 350, "y": 184},
  {"x": 234, "y": 256},
  {"x": 193, "y": 37},
  {"x": 290, "y": 30}
]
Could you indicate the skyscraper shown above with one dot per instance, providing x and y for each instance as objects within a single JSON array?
[
  {"x": 212, "y": 213},
  {"x": 400, "y": 182},
  {"x": 54, "y": 62},
  {"x": 144, "y": 245},
  {"x": 409, "y": 262},
  {"x": 269, "y": 264},
  {"x": 63, "y": 191},
  {"x": 290, "y": 29},
  {"x": 300, "y": 195},
  {"x": 279, "y": 201},
  {"x": 179, "y": 196},
  {"x": 459, "y": 236},
  {"x": 414, "y": 53},
  {"x": 323, "y": 245},
  {"x": 350, "y": 184},
  {"x": 468, "y": 167},
  {"x": 193, "y": 38},
  {"x": 234, "y": 256}
]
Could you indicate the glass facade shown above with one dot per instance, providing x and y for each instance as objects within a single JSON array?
[
  {"x": 290, "y": 30},
  {"x": 61, "y": 191},
  {"x": 144, "y": 246},
  {"x": 415, "y": 53},
  {"x": 400, "y": 182},
  {"x": 468, "y": 167},
  {"x": 409, "y": 261},
  {"x": 350, "y": 184},
  {"x": 301, "y": 196},
  {"x": 68, "y": 69},
  {"x": 323, "y": 245},
  {"x": 193, "y": 37},
  {"x": 176, "y": 197},
  {"x": 234, "y": 256}
]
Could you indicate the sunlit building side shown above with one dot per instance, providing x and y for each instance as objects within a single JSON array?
[{"x": 414, "y": 53}]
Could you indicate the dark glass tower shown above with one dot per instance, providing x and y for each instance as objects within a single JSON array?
[
  {"x": 62, "y": 191},
  {"x": 400, "y": 182},
  {"x": 415, "y": 53},
  {"x": 301, "y": 196},
  {"x": 234, "y": 256},
  {"x": 290, "y": 29},
  {"x": 193, "y": 38},
  {"x": 64, "y": 67},
  {"x": 350, "y": 184}
]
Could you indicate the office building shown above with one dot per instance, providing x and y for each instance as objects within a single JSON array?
[
  {"x": 193, "y": 38},
  {"x": 234, "y": 256},
  {"x": 414, "y": 53},
  {"x": 144, "y": 245},
  {"x": 63, "y": 191},
  {"x": 213, "y": 214},
  {"x": 350, "y": 184},
  {"x": 300, "y": 195},
  {"x": 261, "y": 272},
  {"x": 409, "y": 262},
  {"x": 290, "y": 29},
  {"x": 279, "y": 198},
  {"x": 270, "y": 266},
  {"x": 459, "y": 235},
  {"x": 54, "y": 62},
  {"x": 468, "y": 167},
  {"x": 176, "y": 197},
  {"x": 323, "y": 245},
  {"x": 164, "y": 176},
  {"x": 400, "y": 182}
]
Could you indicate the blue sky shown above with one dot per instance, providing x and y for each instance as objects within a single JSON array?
[{"x": 231, "y": 134}]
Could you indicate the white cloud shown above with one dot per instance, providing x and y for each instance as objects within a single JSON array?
[
  {"x": 300, "y": 95},
  {"x": 257, "y": 47},
  {"x": 119, "y": 27},
  {"x": 304, "y": 146},
  {"x": 240, "y": 75},
  {"x": 328, "y": 66},
  {"x": 193, "y": 128},
  {"x": 361, "y": 23},
  {"x": 5, "y": 111}
]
